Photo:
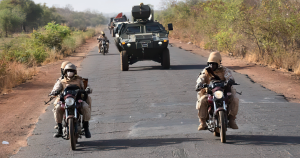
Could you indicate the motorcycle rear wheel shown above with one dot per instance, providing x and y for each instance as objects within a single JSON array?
[
  {"x": 222, "y": 124},
  {"x": 72, "y": 134}
]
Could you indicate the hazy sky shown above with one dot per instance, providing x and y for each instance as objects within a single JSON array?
[{"x": 104, "y": 6}]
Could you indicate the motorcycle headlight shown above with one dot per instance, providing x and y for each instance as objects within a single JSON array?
[
  {"x": 69, "y": 101},
  {"x": 218, "y": 94}
]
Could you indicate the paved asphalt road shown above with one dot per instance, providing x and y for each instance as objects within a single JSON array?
[{"x": 150, "y": 112}]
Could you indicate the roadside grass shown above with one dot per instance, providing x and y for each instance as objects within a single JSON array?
[
  {"x": 265, "y": 32},
  {"x": 20, "y": 56}
]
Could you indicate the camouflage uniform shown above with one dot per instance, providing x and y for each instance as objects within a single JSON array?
[
  {"x": 100, "y": 44},
  {"x": 202, "y": 103},
  {"x": 60, "y": 86}
]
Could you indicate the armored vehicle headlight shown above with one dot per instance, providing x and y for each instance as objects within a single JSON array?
[
  {"x": 165, "y": 40},
  {"x": 160, "y": 43},
  {"x": 123, "y": 43},
  {"x": 128, "y": 45}
]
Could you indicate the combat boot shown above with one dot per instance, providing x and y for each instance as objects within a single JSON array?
[
  {"x": 86, "y": 129},
  {"x": 59, "y": 132},
  {"x": 202, "y": 125},
  {"x": 232, "y": 123}
]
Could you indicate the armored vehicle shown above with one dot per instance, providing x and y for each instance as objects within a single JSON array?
[{"x": 143, "y": 39}]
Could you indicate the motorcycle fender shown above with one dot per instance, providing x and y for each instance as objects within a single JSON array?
[
  {"x": 219, "y": 109},
  {"x": 70, "y": 117}
]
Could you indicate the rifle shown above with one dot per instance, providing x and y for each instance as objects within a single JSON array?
[{"x": 49, "y": 100}]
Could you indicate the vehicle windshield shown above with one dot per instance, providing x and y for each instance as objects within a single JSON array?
[
  {"x": 153, "y": 28},
  {"x": 119, "y": 26},
  {"x": 133, "y": 29}
]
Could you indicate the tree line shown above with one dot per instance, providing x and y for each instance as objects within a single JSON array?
[
  {"x": 26, "y": 15},
  {"x": 265, "y": 31}
]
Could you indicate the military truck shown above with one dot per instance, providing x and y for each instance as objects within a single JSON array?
[{"x": 143, "y": 39}]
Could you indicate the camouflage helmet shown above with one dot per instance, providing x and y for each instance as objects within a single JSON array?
[
  {"x": 70, "y": 66},
  {"x": 63, "y": 65},
  {"x": 214, "y": 57}
]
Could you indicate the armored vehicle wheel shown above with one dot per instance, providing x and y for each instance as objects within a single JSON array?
[
  {"x": 165, "y": 63},
  {"x": 124, "y": 61}
]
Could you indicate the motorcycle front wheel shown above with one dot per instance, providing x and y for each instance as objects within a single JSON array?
[
  {"x": 222, "y": 123},
  {"x": 72, "y": 134}
]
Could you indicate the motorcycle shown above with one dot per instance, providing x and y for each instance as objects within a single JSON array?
[
  {"x": 104, "y": 44},
  {"x": 71, "y": 101},
  {"x": 218, "y": 95}
]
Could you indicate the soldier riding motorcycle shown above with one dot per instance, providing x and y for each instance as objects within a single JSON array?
[
  {"x": 70, "y": 78},
  {"x": 216, "y": 75},
  {"x": 103, "y": 43}
]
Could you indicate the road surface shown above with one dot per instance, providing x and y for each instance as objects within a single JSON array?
[{"x": 150, "y": 112}]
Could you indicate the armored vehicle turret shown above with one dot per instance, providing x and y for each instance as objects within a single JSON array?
[{"x": 143, "y": 39}]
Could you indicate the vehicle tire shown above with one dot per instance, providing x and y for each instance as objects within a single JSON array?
[
  {"x": 222, "y": 123},
  {"x": 114, "y": 35},
  {"x": 124, "y": 60},
  {"x": 165, "y": 63},
  {"x": 72, "y": 134}
]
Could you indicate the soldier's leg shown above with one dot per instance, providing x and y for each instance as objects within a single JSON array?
[
  {"x": 202, "y": 106},
  {"x": 99, "y": 46},
  {"x": 89, "y": 102},
  {"x": 86, "y": 118},
  {"x": 58, "y": 113},
  {"x": 107, "y": 47},
  {"x": 233, "y": 107},
  {"x": 54, "y": 104},
  {"x": 56, "y": 100},
  {"x": 58, "y": 116}
]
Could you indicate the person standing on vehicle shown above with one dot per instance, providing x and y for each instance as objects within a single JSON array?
[
  {"x": 102, "y": 36},
  {"x": 214, "y": 62},
  {"x": 70, "y": 78},
  {"x": 111, "y": 27}
]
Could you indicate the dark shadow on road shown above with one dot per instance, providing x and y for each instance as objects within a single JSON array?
[
  {"x": 239, "y": 67},
  {"x": 172, "y": 67},
  {"x": 101, "y": 54},
  {"x": 262, "y": 140},
  {"x": 118, "y": 144},
  {"x": 187, "y": 67},
  {"x": 143, "y": 68}
]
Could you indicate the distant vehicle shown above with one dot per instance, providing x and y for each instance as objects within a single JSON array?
[
  {"x": 120, "y": 18},
  {"x": 143, "y": 39}
]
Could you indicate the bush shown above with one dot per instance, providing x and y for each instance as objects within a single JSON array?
[
  {"x": 20, "y": 55},
  {"x": 270, "y": 29}
]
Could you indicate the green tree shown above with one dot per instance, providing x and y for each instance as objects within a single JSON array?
[{"x": 10, "y": 19}]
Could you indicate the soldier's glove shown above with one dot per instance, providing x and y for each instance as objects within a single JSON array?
[
  {"x": 230, "y": 82},
  {"x": 199, "y": 87},
  {"x": 88, "y": 90}
]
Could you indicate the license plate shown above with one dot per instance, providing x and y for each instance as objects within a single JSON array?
[{"x": 144, "y": 45}]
